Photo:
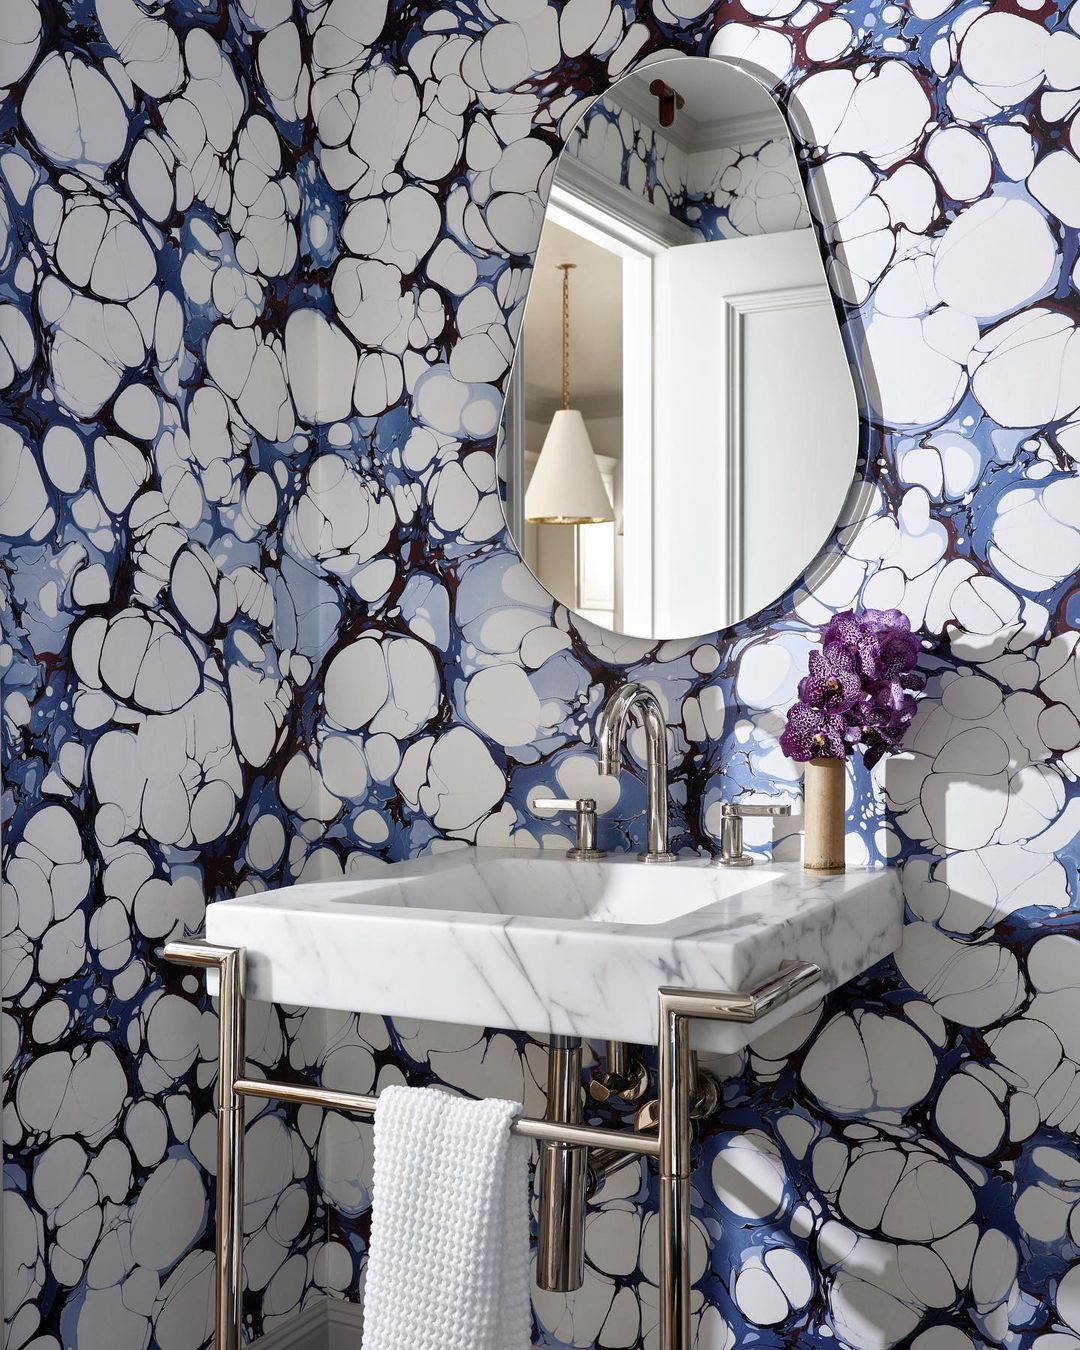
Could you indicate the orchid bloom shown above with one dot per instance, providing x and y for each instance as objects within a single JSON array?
[{"x": 858, "y": 691}]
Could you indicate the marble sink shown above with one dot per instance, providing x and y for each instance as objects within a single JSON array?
[{"x": 531, "y": 941}]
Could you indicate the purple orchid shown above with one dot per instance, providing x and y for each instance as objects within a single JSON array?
[
  {"x": 813, "y": 732},
  {"x": 833, "y": 682},
  {"x": 859, "y": 689},
  {"x": 880, "y": 641}
]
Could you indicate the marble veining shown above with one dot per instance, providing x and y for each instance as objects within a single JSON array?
[{"x": 533, "y": 942}]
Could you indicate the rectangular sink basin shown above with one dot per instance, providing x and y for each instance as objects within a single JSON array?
[
  {"x": 531, "y": 941},
  {"x": 520, "y": 884}
]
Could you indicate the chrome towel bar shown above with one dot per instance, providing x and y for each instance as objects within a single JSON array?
[{"x": 358, "y": 1104}]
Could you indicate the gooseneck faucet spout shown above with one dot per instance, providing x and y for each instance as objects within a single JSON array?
[{"x": 636, "y": 700}]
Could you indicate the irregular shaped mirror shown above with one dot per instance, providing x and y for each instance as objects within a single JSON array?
[{"x": 680, "y": 430}]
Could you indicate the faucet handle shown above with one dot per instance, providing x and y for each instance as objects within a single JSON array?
[
  {"x": 732, "y": 815},
  {"x": 585, "y": 848}
]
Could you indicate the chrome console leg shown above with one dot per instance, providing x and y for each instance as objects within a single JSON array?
[
  {"x": 675, "y": 1074},
  {"x": 228, "y": 963},
  {"x": 560, "y": 1240},
  {"x": 675, "y": 1089}
]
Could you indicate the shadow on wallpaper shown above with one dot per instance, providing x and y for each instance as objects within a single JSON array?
[{"x": 260, "y": 267}]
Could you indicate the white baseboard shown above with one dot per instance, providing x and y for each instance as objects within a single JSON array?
[
  {"x": 327, "y": 1324},
  {"x": 344, "y": 1322}
]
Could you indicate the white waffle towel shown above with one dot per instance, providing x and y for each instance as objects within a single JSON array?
[{"x": 448, "y": 1267}]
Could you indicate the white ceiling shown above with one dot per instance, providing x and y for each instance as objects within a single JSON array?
[
  {"x": 712, "y": 89},
  {"x": 719, "y": 101}
]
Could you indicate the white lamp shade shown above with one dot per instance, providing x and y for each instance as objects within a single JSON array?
[{"x": 566, "y": 487}]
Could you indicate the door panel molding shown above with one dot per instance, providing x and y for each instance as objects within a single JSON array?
[{"x": 737, "y": 308}]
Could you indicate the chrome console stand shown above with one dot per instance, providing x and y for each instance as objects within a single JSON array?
[{"x": 564, "y": 1139}]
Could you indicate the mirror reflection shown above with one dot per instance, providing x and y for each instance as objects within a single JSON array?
[{"x": 680, "y": 430}]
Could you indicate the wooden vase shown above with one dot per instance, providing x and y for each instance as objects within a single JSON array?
[{"x": 823, "y": 810}]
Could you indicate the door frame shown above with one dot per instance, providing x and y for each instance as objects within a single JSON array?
[{"x": 591, "y": 218}]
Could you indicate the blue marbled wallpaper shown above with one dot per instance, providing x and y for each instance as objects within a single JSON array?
[{"x": 260, "y": 268}]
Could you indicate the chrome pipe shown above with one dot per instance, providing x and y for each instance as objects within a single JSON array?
[
  {"x": 560, "y": 1232},
  {"x": 675, "y": 1086},
  {"x": 624, "y": 1077},
  {"x": 228, "y": 962},
  {"x": 564, "y": 1078},
  {"x": 749, "y": 1005},
  {"x": 588, "y": 1136},
  {"x": 360, "y": 1104},
  {"x": 617, "y": 1058},
  {"x": 605, "y": 1162},
  {"x": 304, "y": 1094},
  {"x": 675, "y": 1081},
  {"x": 230, "y": 1198}
]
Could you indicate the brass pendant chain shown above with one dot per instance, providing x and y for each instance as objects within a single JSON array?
[{"x": 565, "y": 269}]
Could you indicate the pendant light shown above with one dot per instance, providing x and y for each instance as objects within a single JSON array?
[{"x": 566, "y": 487}]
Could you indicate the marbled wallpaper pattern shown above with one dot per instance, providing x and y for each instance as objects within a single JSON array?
[
  {"x": 747, "y": 188},
  {"x": 261, "y": 264}
]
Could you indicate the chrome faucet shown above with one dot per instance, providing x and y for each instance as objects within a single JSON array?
[{"x": 611, "y": 729}]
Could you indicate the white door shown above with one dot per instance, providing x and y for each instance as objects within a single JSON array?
[
  {"x": 749, "y": 321},
  {"x": 598, "y": 561}
]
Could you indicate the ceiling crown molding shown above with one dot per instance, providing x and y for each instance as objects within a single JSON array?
[
  {"x": 582, "y": 181},
  {"x": 749, "y": 129}
]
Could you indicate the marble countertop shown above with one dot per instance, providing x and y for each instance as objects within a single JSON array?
[{"x": 527, "y": 940}]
